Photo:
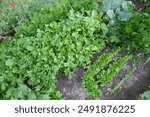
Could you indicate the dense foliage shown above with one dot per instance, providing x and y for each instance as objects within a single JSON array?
[
  {"x": 63, "y": 35},
  {"x": 56, "y": 11},
  {"x": 33, "y": 62},
  {"x": 15, "y": 12},
  {"x": 103, "y": 76},
  {"x": 135, "y": 32}
]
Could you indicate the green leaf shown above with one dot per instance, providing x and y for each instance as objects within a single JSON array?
[
  {"x": 124, "y": 16},
  {"x": 147, "y": 60},
  {"x": 9, "y": 62},
  {"x": 147, "y": 95},
  {"x": 108, "y": 4},
  {"x": 119, "y": 2},
  {"x": 30, "y": 48},
  {"x": 31, "y": 96},
  {"x": 1, "y": 78},
  {"x": 45, "y": 97},
  {"x": 114, "y": 39},
  {"x": 111, "y": 14},
  {"x": 94, "y": 13}
]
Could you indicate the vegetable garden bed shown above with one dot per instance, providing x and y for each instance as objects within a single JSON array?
[{"x": 64, "y": 49}]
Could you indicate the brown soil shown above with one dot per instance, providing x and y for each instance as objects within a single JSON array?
[
  {"x": 8, "y": 33},
  {"x": 140, "y": 5}
]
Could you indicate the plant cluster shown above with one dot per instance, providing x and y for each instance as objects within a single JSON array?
[
  {"x": 135, "y": 32},
  {"x": 119, "y": 84},
  {"x": 90, "y": 84},
  {"x": 88, "y": 80},
  {"x": 118, "y": 9},
  {"x": 15, "y": 12},
  {"x": 57, "y": 10},
  {"x": 62, "y": 36},
  {"x": 106, "y": 75},
  {"x": 30, "y": 66}
]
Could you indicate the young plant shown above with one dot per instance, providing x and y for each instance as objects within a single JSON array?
[
  {"x": 106, "y": 75},
  {"x": 88, "y": 80},
  {"x": 119, "y": 84}
]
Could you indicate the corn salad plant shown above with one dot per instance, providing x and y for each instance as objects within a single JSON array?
[{"x": 33, "y": 62}]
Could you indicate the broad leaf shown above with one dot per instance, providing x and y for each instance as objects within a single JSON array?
[
  {"x": 147, "y": 95},
  {"x": 124, "y": 16}
]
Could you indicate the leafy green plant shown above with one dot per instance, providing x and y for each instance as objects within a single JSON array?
[
  {"x": 118, "y": 9},
  {"x": 106, "y": 75},
  {"x": 61, "y": 36},
  {"x": 56, "y": 11},
  {"x": 145, "y": 95},
  {"x": 15, "y": 12},
  {"x": 31, "y": 63},
  {"x": 133, "y": 34},
  {"x": 91, "y": 85},
  {"x": 101, "y": 62},
  {"x": 119, "y": 84},
  {"x": 88, "y": 81}
]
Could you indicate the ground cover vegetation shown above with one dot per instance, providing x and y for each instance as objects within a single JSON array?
[{"x": 61, "y": 35}]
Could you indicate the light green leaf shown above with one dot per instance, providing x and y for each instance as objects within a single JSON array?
[
  {"x": 108, "y": 4},
  {"x": 124, "y": 6},
  {"x": 95, "y": 48},
  {"x": 124, "y": 16},
  {"x": 114, "y": 39},
  {"x": 45, "y": 97},
  {"x": 147, "y": 95},
  {"x": 111, "y": 14},
  {"x": 119, "y": 2},
  {"x": 94, "y": 13},
  {"x": 1, "y": 78},
  {"x": 9, "y": 62},
  {"x": 30, "y": 48}
]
